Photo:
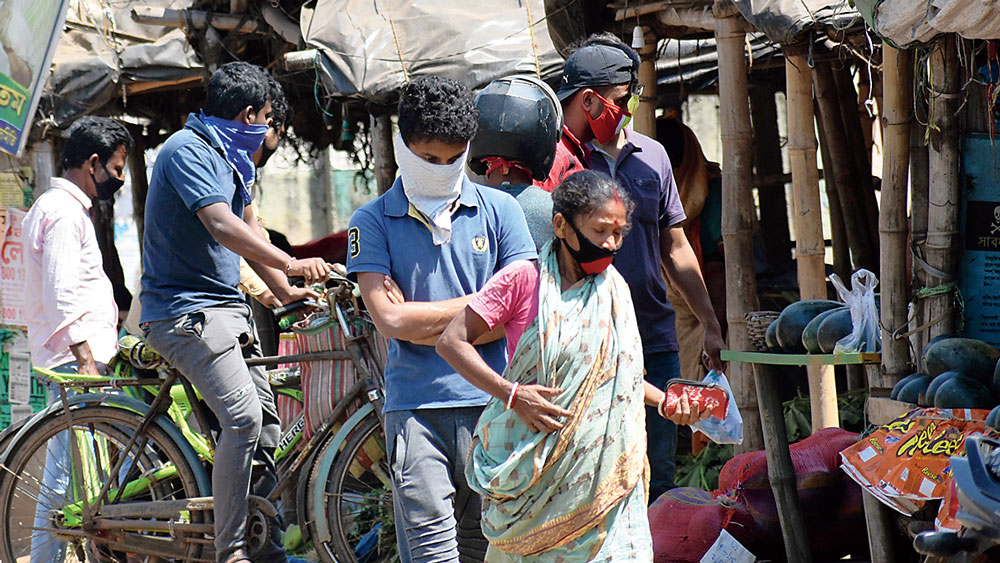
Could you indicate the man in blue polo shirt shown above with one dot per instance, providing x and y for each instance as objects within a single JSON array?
[
  {"x": 599, "y": 91},
  {"x": 198, "y": 224},
  {"x": 439, "y": 237}
]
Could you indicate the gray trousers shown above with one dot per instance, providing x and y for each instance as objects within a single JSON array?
[
  {"x": 437, "y": 514},
  {"x": 205, "y": 346}
]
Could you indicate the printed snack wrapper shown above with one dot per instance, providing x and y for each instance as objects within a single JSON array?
[{"x": 907, "y": 462}]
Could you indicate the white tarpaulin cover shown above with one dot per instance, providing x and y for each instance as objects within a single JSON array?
[
  {"x": 474, "y": 41},
  {"x": 910, "y": 22}
]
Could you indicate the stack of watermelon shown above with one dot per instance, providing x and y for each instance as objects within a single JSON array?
[
  {"x": 811, "y": 326},
  {"x": 958, "y": 373}
]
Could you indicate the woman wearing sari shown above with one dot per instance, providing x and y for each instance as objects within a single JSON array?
[{"x": 559, "y": 454}]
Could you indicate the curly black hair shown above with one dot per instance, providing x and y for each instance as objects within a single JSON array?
[
  {"x": 587, "y": 191},
  {"x": 434, "y": 108},
  {"x": 235, "y": 86}
]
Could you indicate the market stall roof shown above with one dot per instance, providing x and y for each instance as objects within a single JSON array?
[
  {"x": 785, "y": 21},
  {"x": 104, "y": 54},
  {"x": 910, "y": 22},
  {"x": 368, "y": 49}
]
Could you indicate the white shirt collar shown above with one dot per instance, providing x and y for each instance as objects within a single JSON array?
[{"x": 74, "y": 190}]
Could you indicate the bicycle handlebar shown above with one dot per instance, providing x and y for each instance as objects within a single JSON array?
[{"x": 294, "y": 307}]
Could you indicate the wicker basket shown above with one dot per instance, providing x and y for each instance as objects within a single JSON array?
[{"x": 757, "y": 323}]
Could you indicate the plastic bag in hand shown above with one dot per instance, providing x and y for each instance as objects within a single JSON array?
[
  {"x": 728, "y": 430},
  {"x": 865, "y": 336}
]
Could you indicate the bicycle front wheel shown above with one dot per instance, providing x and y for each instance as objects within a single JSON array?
[
  {"x": 43, "y": 489},
  {"x": 358, "y": 500}
]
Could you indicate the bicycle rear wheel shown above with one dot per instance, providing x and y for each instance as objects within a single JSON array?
[
  {"x": 42, "y": 490},
  {"x": 358, "y": 500}
]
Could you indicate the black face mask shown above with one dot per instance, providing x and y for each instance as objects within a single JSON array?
[
  {"x": 106, "y": 189},
  {"x": 593, "y": 259}
]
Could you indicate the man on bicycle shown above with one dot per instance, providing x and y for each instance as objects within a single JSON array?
[
  {"x": 440, "y": 237},
  {"x": 198, "y": 224}
]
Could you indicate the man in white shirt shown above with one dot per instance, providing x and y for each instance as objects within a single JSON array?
[{"x": 72, "y": 317}]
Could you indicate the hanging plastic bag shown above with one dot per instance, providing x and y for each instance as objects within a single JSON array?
[
  {"x": 728, "y": 430},
  {"x": 865, "y": 336}
]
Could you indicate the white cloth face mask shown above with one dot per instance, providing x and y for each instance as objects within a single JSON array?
[{"x": 431, "y": 188}]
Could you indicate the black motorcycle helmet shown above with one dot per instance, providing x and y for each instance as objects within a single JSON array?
[{"x": 520, "y": 119}]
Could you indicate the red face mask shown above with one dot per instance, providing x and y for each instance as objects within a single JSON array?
[{"x": 611, "y": 120}]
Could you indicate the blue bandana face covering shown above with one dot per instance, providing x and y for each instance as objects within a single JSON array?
[{"x": 240, "y": 142}]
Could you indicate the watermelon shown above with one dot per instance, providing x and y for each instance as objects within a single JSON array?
[
  {"x": 793, "y": 321},
  {"x": 771, "y": 337},
  {"x": 935, "y": 383},
  {"x": 833, "y": 328},
  {"x": 902, "y": 383},
  {"x": 993, "y": 419},
  {"x": 974, "y": 358},
  {"x": 912, "y": 390},
  {"x": 963, "y": 393},
  {"x": 810, "y": 332}
]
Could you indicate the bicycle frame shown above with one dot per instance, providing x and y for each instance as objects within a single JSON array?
[{"x": 171, "y": 409}]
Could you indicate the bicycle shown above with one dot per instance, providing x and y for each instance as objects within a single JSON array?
[{"x": 138, "y": 485}]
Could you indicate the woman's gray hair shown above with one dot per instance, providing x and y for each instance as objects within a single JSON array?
[{"x": 587, "y": 191}]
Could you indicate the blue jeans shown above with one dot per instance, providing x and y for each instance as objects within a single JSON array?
[
  {"x": 661, "y": 434},
  {"x": 55, "y": 482}
]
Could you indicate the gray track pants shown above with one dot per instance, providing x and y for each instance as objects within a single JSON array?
[
  {"x": 205, "y": 347},
  {"x": 437, "y": 514}
]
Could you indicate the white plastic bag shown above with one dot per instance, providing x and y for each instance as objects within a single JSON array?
[
  {"x": 728, "y": 430},
  {"x": 865, "y": 336}
]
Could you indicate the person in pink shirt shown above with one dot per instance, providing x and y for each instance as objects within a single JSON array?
[{"x": 72, "y": 318}]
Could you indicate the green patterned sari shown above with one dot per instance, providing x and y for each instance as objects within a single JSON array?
[{"x": 558, "y": 494}]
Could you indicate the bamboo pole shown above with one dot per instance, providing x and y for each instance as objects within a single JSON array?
[
  {"x": 897, "y": 91},
  {"x": 738, "y": 216},
  {"x": 196, "y": 19},
  {"x": 644, "y": 120},
  {"x": 943, "y": 189},
  {"x": 385, "y": 156},
  {"x": 841, "y": 168},
  {"x": 809, "y": 244},
  {"x": 897, "y": 69}
]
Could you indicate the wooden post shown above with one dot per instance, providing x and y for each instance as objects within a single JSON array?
[
  {"x": 838, "y": 230},
  {"x": 43, "y": 167},
  {"x": 385, "y": 156},
  {"x": 943, "y": 190},
  {"x": 767, "y": 164},
  {"x": 841, "y": 169},
  {"x": 919, "y": 181},
  {"x": 738, "y": 215},
  {"x": 644, "y": 120},
  {"x": 780, "y": 471},
  {"x": 140, "y": 186},
  {"x": 897, "y": 68},
  {"x": 809, "y": 245},
  {"x": 858, "y": 130}
]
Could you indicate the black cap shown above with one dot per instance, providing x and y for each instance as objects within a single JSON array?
[{"x": 595, "y": 65}]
